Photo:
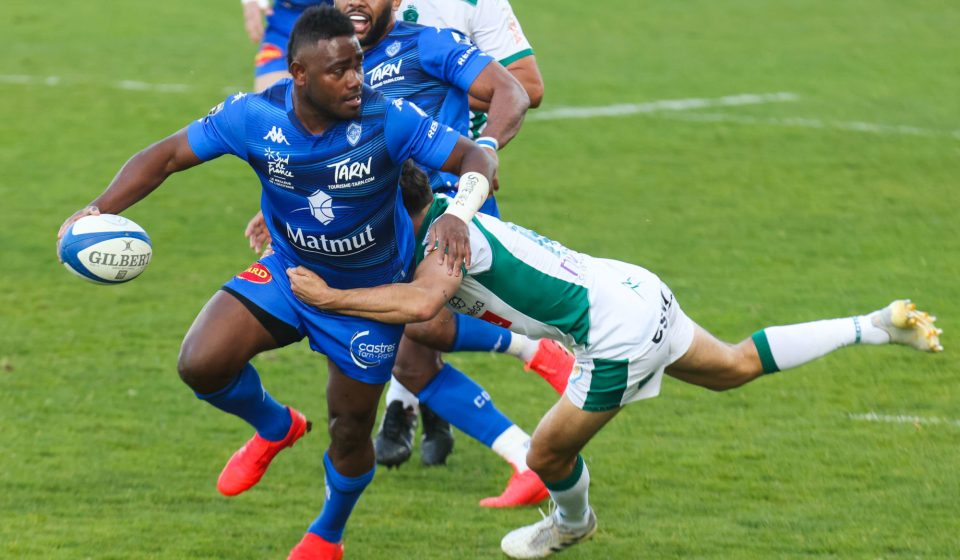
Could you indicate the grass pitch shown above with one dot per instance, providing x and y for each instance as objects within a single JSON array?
[{"x": 830, "y": 204}]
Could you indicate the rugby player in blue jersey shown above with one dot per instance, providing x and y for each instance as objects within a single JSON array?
[
  {"x": 439, "y": 70},
  {"x": 328, "y": 152}
]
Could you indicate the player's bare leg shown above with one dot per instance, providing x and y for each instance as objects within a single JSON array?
[
  {"x": 215, "y": 362},
  {"x": 555, "y": 456},
  {"x": 717, "y": 365},
  {"x": 348, "y": 463}
]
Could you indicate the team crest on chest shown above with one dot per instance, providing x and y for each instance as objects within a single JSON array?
[
  {"x": 321, "y": 206},
  {"x": 353, "y": 133},
  {"x": 394, "y": 48}
]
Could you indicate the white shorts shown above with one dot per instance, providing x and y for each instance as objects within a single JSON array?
[{"x": 637, "y": 329}]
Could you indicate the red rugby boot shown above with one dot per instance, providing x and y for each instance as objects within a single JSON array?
[
  {"x": 246, "y": 467},
  {"x": 313, "y": 547},
  {"x": 552, "y": 362},
  {"x": 524, "y": 489}
]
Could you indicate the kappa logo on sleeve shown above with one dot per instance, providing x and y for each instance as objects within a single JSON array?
[{"x": 257, "y": 273}]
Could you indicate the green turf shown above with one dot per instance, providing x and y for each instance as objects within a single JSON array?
[{"x": 104, "y": 453}]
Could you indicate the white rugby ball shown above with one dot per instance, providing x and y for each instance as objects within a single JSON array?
[{"x": 105, "y": 249}]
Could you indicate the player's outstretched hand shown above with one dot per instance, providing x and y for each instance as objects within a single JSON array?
[
  {"x": 258, "y": 234},
  {"x": 253, "y": 13},
  {"x": 309, "y": 287},
  {"x": 85, "y": 211},
  {"x": 449, "y": 235}
]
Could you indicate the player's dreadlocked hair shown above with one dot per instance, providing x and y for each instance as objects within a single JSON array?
[
  {"x": 316, "y": 24},
  {"x": 415, "y": 188}
]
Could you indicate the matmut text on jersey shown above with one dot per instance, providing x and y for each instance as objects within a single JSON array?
[{"x": 330, "y": 200}]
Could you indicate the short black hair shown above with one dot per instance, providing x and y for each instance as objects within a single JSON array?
[
  {"x": 415, "y": 188},
  {"x": 317, "y": 23}
]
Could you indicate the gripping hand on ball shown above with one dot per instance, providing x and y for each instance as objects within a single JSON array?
[{"x": 85, "y": 211}]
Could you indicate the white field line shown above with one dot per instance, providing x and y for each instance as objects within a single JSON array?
[
  {"x": 800, "y": 122},
  {"x": 128, "y": 85},
  {"x": 623, "y": 109},
  {"x": 904, "y": 419},
  {"x": 664, "y": 108}
]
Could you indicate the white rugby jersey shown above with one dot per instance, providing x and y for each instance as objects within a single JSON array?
[{"x": 490, "y": 24}]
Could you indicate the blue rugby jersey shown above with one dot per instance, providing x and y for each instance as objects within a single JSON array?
[
  {"x": 431, "y": 67},
  {"x": 331, "y": 201}
]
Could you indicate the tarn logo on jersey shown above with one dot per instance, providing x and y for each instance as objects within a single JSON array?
[
  {"x": 368, "y": 355},
  {"x": 385, "y": 73},
  {"x": 276, "y": 135},
  {"x": 353, "y": 133},
  {"x": 351, "y": 174},
  {"x": 394, "y": 48},
  {"x": 320, "y": 245},
  {"x": 321, "y": 206},
  {"x": 277, "y": 168}
]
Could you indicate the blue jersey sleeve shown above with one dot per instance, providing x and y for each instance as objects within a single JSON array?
[
  {"x": 410, "y": 133},
  {"x": 450, "y": 56},
  {"x": 222, "y": 131}
]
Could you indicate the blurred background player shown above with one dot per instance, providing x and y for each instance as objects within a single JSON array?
[
  {"x": 269, "y": 24},
  {"x": 492, "y": 26}
]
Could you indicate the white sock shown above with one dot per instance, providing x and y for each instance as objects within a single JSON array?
[
  {"x": 570, "y": 495},
  {"x": 513, "y": 445},
  {"x": 789, "y": 346},
  {"x": 397, "y": 392},
  {"x": 522, "y": 347}
]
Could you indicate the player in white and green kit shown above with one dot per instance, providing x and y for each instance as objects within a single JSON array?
[{"x": 624, "y": 324}]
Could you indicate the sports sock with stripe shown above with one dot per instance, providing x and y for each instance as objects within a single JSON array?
[
  {"x": 570, "y": 495},
  {"x": 245, "y": 397},
  {"x": 789, "y": 346}
]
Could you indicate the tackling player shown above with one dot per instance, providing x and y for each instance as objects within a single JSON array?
[
  {"x": 492, "y": 26},
  {"x": 625, "y": 325},
  {"x": 327, "y": 151}
]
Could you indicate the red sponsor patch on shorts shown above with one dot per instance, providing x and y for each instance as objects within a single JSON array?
[
  {"x": 267, "y": 53},
  {"x": 257, "y": 273},
  {"x": 496, "y": 319}
]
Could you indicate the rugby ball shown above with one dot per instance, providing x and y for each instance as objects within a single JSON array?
[{"x": 105, "y": 249}]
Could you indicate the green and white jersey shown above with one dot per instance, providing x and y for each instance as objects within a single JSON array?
[
  {"x": 524, "y": 281},
  {"x": 490, "y": 24},
  {"x": 621, "y": 320}
]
